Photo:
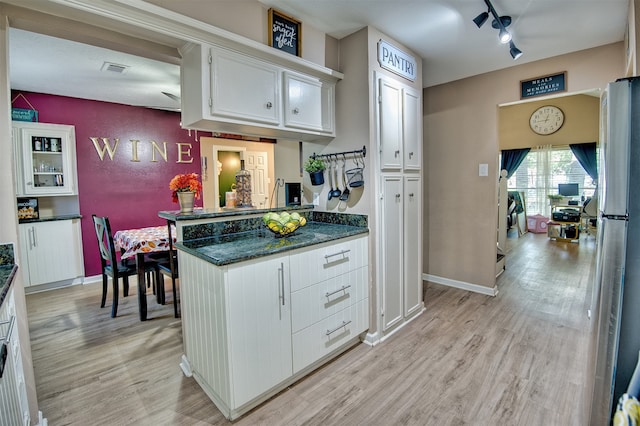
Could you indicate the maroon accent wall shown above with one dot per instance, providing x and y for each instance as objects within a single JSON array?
[{"x": 130, "y": 193}]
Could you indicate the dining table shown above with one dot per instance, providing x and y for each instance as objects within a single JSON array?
[{"x": 138, "y": 243}]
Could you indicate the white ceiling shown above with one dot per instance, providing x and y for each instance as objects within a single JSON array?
[{"x": 441, "y": 32}]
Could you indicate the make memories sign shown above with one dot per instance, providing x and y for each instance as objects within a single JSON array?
[{"x": 397, "y": 61}]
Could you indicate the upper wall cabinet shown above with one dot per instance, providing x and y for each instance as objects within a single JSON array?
[
  {"x": 228, "y": 91},
  {"x": 45, "y": 158},
  {"x": 399, "y": 120},
  {"x": 244, "y": 88}
]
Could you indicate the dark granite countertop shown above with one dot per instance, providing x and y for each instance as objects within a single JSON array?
[
  {"x": 199, "y": 213},
  {"x": 233, "y": 248},
  {"x": 7, "y": 273},
  {"x": 52, "y": 218}
]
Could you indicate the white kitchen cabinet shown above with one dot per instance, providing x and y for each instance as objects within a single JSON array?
[
  {"x": 411, "y": 129},
  {"x": 244, "y": 88},
  {"x": 230, "y": 91},
  {"x": 259, "y": 326},
  {"x": 400, "y": 133},
  {"x": 392, "y": 237},
  {"x": 52, "y": 251},
  {"x": 329, "y": 298},
  {"x": 46, "y": 159},
  {"x": 401, "y": 249},
  {"x": 390, "y": 124},
  {"x": 308, "y": 102},
  {"x": 412, "y": 246},
  {"x": 248, "y": 331}
]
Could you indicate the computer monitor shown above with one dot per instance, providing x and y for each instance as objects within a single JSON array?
[{"x": 568, "y": 189}]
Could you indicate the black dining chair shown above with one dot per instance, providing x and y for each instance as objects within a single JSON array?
[
  {"x": 111, "y": 266},
  {"x": 170, "y": 269}
]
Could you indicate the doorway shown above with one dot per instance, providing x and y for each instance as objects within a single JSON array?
[{"x": 228, "y": 162}]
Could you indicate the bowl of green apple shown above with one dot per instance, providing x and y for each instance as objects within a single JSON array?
[{"x": 283, "y": 223}]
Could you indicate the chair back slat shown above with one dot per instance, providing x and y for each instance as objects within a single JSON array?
[{"x": 105, "y": 239}]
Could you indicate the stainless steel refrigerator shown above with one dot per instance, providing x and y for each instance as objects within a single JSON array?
[{"x": 615, "y": 302}]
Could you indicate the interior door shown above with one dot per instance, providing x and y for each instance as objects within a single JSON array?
[{"x": 258, "y": 166}]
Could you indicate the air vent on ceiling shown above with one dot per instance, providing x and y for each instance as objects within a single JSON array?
[{"x": 117, "y": 68}]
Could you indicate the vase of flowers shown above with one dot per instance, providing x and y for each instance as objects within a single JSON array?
[{"x": 185, "y": 189}]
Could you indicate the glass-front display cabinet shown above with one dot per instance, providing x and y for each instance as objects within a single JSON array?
[{"x": 47, "y": 161}]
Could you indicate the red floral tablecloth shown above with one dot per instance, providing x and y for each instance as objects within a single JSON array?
[{"x": 143, "y": 240}]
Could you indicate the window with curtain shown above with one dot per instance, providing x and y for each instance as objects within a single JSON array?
[{"x": 540, "y": 173}]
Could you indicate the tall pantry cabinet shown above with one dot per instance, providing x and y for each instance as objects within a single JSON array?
[{"x": 399, "y": 138}]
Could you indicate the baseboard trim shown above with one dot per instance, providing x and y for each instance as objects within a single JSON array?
[
  {"x": 373, "y": 339},
  {"x": 185, "y": 366},
  {"x": 93, "y": 279},
  {"x": 42, "y": 421},
  {"x": 475, "y": 288}
]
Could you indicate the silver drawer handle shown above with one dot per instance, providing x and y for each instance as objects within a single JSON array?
[
  {"x": 410, "y": 155},
  {"x": 344, "y": 324},
  {"x": 340, "y": 253},
  {"x": 344, "y": 287},
  {"x": 11, "y": 323}
]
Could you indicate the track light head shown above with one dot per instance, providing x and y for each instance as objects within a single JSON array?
[
  {"x": 481, "y": 19},
  {"x": 514, "y": 51},
  {"x": 505, "y": 21},
  {"x": 504, "y": 36}
]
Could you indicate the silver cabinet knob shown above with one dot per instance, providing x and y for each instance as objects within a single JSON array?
[
  {"x": 296, "y": 111},
  {"x": 269, "y": 105}
]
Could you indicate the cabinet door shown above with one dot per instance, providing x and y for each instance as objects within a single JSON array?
[
  {"x": 390, "y": 124},
  {"x": 53, "y": 251},
  {"x": 411, "y": 129},
  {"x": 302, "y": 102},
  {"x": 244, "y": 88},
  {"x": 412, "y": 252},
  {"x": 47, "y": 159},
  {"x": 391, "y": 263},
  {"x": 259, "y": 326}
]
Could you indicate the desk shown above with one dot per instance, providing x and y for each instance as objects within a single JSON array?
[{"x": 138, "y": 242}]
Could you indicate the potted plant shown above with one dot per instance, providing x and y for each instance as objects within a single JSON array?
[
  {"x": 185, "y": 188},
  {"x": 315, "y": 168},
  {"x": 554, "y": 199}
]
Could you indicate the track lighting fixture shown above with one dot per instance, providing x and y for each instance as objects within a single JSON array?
[
  {"x": 515, "y": 52},
  {"x": 500, "y": 23},
  {"x": 481, "y": 19}
]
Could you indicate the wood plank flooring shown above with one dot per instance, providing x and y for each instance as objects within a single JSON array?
[{"x": 517, "y": 359}]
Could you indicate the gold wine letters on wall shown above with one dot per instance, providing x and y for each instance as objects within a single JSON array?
[{"x": 106, "y": 146}]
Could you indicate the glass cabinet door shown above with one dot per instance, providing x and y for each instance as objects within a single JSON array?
[{"x": 48, "y": 159}]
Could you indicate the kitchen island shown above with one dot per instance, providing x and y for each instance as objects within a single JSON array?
[{"x": 260, "y": 312}]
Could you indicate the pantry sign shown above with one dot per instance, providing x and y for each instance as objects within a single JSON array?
[{"x": 396, "y": 61}]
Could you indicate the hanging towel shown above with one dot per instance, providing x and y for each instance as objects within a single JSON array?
[{"x": 628, "y": 412}]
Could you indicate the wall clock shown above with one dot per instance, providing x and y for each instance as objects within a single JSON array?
[{"x": 546, "y": 120}]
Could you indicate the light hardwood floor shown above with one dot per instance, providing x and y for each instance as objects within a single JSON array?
[{"x": 515, "y": 359}]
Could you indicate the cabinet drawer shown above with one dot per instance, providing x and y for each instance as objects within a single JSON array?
[
  {"x": 320, "y": 339},
  {"x": 319, "y": 263},
  {"x": 319, "y": 301}
]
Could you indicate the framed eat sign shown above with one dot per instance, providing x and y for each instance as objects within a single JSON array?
[{"x": 285, "y": 33}]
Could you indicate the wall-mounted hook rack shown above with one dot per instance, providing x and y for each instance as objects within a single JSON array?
[{"x": 362, "y": 151}]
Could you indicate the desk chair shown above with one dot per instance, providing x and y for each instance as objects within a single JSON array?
[
  {"x": 170, "y": 269},
  {"x": 590, "y": 213},
  {"x": 110, "y": 265}
]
